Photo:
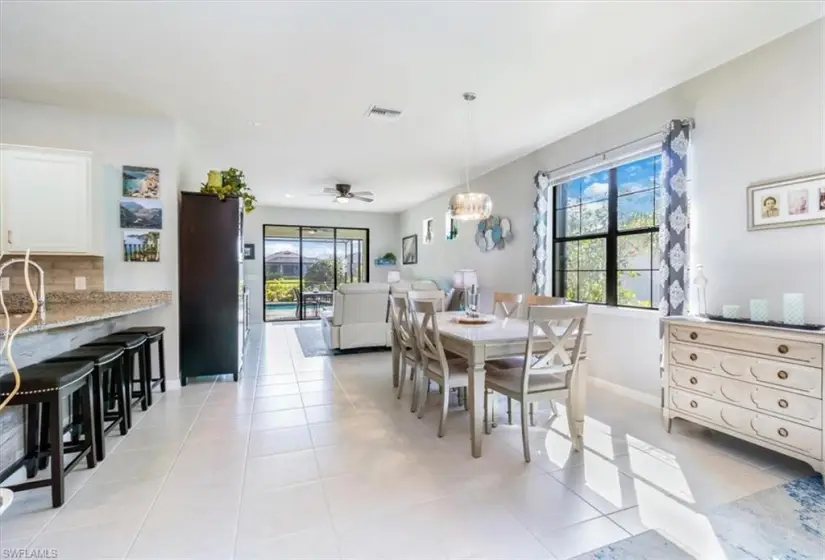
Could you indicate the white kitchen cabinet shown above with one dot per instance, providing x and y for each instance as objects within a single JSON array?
[{"x": 45, "y": 200}]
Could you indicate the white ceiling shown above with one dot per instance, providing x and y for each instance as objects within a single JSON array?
[{"x": 307, "y": 72}]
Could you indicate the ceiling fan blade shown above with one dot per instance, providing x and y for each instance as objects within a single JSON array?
[
  {"x": 362, "y": 198},
  {"x": 363, "y": 193},
  {"x": 329, "y": 190}
]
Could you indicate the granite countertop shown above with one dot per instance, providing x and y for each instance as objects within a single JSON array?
[{"x": 87, "y": 308}]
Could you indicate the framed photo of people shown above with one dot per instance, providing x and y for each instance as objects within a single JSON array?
[{"x": 787, "y": 202}]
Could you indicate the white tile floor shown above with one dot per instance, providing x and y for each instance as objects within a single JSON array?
[{"x": 315, "y": 458}]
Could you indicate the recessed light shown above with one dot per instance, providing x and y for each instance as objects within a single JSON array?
[
  {"x": 288, "y": 195},
  {"x": 256, "y": 124}
]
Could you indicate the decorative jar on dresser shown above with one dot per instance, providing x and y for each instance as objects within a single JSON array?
[{"x": 760, "y": 384}]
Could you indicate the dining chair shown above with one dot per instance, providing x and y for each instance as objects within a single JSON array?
[
  {"x": 437, "y": 296},
  {"x": 507, "y": 305},
  {"x": 555, "y": 371},
  {"x": 533, "y": 299},
  {"x": 434, "y": 366},
  {"x": 405, "y": 338}
]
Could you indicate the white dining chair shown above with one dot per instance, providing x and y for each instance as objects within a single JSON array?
[
  {"x": 437, "y": 296},
  {"x": 533, "y": 299},
  {"x": 553, "y": 373},
  {"x": 405, "y": 338},
  {"x": 507, "y": 305},
  {"x": 448, "y": 374}
]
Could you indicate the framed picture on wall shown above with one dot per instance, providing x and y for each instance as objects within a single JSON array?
[
  {"x": 450, "y": 226},
  {"x": 787, "y": 202},
  {"x": 427, "y": 230},
  {"x": 249, "y": 251},
  {"x": 409, "y": 249}
]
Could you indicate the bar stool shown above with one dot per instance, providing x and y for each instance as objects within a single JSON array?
[
  {"x": 153, "y": 334},
  {"x": 108, "y": 367},
  {"x": 46, "y": 385},
  {"x": 132, "y": 345}
]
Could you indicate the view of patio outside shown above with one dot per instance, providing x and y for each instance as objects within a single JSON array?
[{"x": 303, "y": 266}]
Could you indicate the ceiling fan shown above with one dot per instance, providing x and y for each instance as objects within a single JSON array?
[{"x": 343, "y": 193}]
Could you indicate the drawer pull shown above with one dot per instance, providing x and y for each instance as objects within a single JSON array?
[
  {"x": 782, "y": 374},
  {"x": 783, "y": 403},
  {"x": 693, "y": 381},
  {"x": 694, "y": 404},
  {"x": 693, "y": 357},
  {"x": 782, "y": 432},
  {"x": 783, "y": 349},
  {"x": 694, "y": 335}
]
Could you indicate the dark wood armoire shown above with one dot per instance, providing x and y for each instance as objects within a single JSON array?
[{"x": 210, "y": 286}]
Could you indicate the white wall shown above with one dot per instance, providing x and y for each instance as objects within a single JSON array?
[
  {"x": 114, "y": 141},
  {"x": 757, "y": 117},
  {"x": 383, "y": 238}
]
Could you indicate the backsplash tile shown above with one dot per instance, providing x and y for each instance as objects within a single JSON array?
[{"x": 60, "y": 273}]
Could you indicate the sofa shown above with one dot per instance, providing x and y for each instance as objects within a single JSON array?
[{"x": 359, "y": 317}]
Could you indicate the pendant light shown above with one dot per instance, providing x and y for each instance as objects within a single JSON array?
[{"x": 470, "y": 205}]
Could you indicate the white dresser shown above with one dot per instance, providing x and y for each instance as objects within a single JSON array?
[{"x": 759, "y": 384}]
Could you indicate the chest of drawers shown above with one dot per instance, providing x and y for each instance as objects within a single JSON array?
[{"x": 760, "y": 384}]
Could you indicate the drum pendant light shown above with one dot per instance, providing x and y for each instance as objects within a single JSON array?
[{"x": 470, "y": 205}]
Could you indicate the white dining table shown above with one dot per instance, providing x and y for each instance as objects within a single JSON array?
[{"x": 500, "y": 338}]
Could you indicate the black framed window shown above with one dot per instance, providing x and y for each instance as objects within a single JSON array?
[{"x": 606, "y": 235}]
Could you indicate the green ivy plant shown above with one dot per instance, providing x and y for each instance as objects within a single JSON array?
[
  {"x": 231, "y": 182},
  {"x": 390, "y": 257}
]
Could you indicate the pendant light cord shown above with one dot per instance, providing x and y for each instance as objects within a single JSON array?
[{"x": 469, "y": 98}]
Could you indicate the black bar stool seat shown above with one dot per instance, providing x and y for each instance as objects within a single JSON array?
[
  {"x": 46, "y": 385},
  {"x": 132, "y": 345},
  {"x": 153, "y": 334},
  {"x": 107, "y": 360}
]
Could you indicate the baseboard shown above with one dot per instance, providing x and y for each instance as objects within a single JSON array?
[
  {"x": 638, "y": 396},
  {"x": 172, "y": 384}
]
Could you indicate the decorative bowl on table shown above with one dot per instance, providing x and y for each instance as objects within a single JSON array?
[{"x": 467, "y": 319}]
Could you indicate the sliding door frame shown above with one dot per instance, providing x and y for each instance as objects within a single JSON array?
[{"x": 364, "y": 258}]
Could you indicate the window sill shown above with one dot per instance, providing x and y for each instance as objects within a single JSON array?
[{"x": 630, "y": 312}]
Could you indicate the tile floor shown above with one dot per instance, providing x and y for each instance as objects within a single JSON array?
[{"x": 315, "y": 458}]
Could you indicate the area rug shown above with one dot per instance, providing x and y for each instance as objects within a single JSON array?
[
  {"x": 312, "y": 342},
  {"x": 786, "y": 522}
]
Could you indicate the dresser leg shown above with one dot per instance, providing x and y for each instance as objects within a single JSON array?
[{"x": 668, "y": 423}]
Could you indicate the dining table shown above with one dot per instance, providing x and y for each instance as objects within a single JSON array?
[{"x": 501, "y": 338}]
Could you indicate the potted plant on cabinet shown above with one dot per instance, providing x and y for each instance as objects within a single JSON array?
[{"x": 231, "y": 182}]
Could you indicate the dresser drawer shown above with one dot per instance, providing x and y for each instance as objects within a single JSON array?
[
  {"x": 779, "y": 375},
  {"x": 760, "y": 427},
  {"x": 791, "y": 406},
  {"x": 807, "y": 353}
]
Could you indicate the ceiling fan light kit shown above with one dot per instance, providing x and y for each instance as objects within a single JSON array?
[
  {"x": 342, "y": 194},
  {"x": 469, "y": 205}
]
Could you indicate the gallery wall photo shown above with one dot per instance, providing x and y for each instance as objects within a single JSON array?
[{"x": 141, "y": 212}]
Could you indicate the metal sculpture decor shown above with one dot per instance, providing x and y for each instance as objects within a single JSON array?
[
  {"x": 493, "y": 233},
  {"x": 7, "y": 495}
]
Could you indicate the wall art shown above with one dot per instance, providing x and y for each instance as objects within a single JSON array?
[
  {"x": 450, "y": 226},
  {"x": 493, "y": 233},
  {"x": 791, "y": 201},
  {"x": 142, "y": 214},
  {"x": 141, "y": 182},
  {"x": 249, "y": 251},
  {"x": 409, "y": 249},
  {"x": 427, "y": 230},
  {"x": 141, "y": 246}
]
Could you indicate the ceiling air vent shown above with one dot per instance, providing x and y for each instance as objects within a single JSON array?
[{"x": 382, "y": 113}]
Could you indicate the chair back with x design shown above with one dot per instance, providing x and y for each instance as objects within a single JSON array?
[
  {"x": 561, "y": 359},
  {"x": 401, "y": 324},
  {"x": 507, "y": 305},
  {"x": 423, "y": 318}
]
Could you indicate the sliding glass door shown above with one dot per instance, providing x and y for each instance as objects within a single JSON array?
[{"x": 303, "y": 265}]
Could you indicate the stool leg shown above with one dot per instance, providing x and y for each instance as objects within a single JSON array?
[
  {"x": 90, "y": 433},
  {"x": 43, "y": 459},
  {"x": 75, "y": 416},
  {"x": 97, "y": 409},
  {"x": 162, "y": 365},
  {"x": 145, "y": 362},
  {"x": 126, "y": 366},
  {"x": 56, "y": 444},
  {"x": 32, "y": 447},
  {"x": 119, "y": 395}
]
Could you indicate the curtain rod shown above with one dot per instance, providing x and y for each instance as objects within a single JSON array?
[{"x": 689, "y": 122}]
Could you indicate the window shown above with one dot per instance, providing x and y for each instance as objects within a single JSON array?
[{"x": 606, "y": 235}]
